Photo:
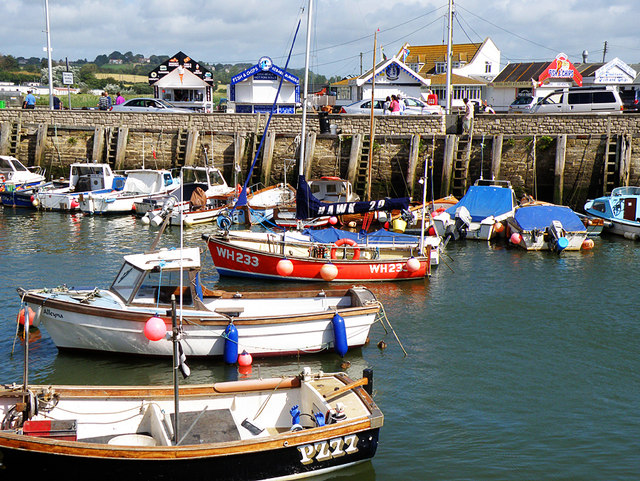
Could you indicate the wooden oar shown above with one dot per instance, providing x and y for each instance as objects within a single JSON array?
[{"x": 362, "y": 382}]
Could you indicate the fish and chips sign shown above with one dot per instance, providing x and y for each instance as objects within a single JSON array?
[{"x": 561, "y": 68}]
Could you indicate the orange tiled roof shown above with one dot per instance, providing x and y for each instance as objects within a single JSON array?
[{"x": 430, "y": 54}]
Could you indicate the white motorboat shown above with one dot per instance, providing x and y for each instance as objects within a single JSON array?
[
  {"x": 14, "y": 174},
  {"x": 84, "y": 178},
  {"x": 265, "y": 323},
  {"x": 140, "y": 184}
]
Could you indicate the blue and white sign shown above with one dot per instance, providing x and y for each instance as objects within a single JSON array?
[{"x": 265, "y": 63}]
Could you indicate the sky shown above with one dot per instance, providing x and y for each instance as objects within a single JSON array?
[{"x": 342, "y": 33}]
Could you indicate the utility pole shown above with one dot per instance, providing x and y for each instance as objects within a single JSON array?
[
  {"x": 361, "y": 64},
  {"x": 604, "y": 52}
]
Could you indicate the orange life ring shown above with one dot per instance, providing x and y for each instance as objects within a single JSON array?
[
  {"x": 341, "y": 242},
  {"x": 238, "y": 189}
]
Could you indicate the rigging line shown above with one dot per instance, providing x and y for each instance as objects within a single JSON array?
[{"x": 508, "y": 31}]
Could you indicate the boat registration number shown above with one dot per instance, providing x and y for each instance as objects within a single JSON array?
[
  {"x": 238, "y": 257},
  {"x": 325, "y": 450}
]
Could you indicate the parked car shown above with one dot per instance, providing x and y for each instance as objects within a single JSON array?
[
  {"x": 580, "y": 100},
  {"x": 523, "y": 104},
  {"x": 146, "y": 104},
  {"x": 413, "y": 106},
  {"x": 630, "y": 100}
]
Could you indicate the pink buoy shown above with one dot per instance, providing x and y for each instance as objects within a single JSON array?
[
  {"x": 431, "y": 231},
  {"x": 245, "y": 359},
  {"x": 74, "y": 204},
  {"x": 284, "y": 267},
  {"x": 515, "y": 238},
  {"x": 329, "y": 272},
  {"x": 155, "y": 329},
  {"x": 413, "y": 264},
  {"x": 333, "y": 220}
]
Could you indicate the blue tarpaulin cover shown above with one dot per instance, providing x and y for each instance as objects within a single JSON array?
[
  {"x": 483, "y": 201},
  {"x": 540, "y": 217},
  {"x": 331, "y": 234}
]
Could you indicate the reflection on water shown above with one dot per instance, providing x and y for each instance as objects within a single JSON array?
[{"x": 518, "y": 365}]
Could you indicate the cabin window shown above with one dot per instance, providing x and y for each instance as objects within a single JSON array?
[
  {"x": 168, "y": 180},
  {"x": 126, "y": 281},
  {"x": 215, "y": 178},
  {"x": 599, "y": 206},
  {"x": 158, "y": 286}
]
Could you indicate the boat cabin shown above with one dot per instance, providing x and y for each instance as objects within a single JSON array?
[
  {"x": 84, "y": 177},
  {"x": 145, "y": 181},
  {"x": 12, "y": 171},
  {"x": 333, "y": 189},
  {"x": 152, "y": 278}
]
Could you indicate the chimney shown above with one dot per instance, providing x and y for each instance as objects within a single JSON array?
[{"x": 585, "y": 55}]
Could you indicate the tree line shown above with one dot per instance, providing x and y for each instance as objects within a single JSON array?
[{"x": 20, "y": 70}]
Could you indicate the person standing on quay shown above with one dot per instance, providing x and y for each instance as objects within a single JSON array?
[
  {"x": 119, "y": 99},
  {"x": 103, "y": 102},
  {"x": 467, "y": 120},
  {"x": 395, "y": 106},
  {"x": 29, "y": 101}
]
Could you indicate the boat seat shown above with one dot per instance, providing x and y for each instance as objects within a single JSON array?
[{"x": 154, "y": 422}]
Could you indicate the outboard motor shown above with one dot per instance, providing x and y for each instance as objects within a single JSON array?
[
  {"x": 463, "y": 221},
  {"x": 557, "y": 236},
  {"x": 167, "y": 207}
]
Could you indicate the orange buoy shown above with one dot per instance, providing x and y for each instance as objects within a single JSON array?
[
  {"x": 413, "y": 264},
  {"x": 20, "y": 318},
  {"x": 431, "y": 231},
  {"x": 498, "y": 227},
  {"x": 284, "y": 267},
  {"x": 328, "y": 272},
  {"x": 588, "y": 244}
]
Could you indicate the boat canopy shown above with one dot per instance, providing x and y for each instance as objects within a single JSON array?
[
  {"x": 166, "y": 259},
  {"x": 483, "y": 201},
  {"x": 330, "y": 235},
  {"x": 540, "y": 217}
]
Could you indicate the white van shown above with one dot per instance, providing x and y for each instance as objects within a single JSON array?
[{"x": 580, "y": 100}]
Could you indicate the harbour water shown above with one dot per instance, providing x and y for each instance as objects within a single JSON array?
[{"x": 519, "y": 365}]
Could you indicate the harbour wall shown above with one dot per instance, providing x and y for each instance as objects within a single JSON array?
[{"x": 564, "y": 159}]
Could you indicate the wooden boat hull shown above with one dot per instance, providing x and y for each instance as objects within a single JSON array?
[
  {"x": 232, "y": 260},
  {"x": 303, "y": 323},
  {"x": 126, "y": 433}
]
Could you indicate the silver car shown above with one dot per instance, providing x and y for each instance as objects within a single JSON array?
[
  {"x": 146, "y": 104},
  {"x": 413, "y": 106}
]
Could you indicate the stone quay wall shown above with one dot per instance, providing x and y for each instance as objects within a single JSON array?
[{"x": 558, "y": 158}]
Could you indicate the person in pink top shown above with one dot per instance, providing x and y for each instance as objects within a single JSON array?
[{"x": 395, "y": 105}]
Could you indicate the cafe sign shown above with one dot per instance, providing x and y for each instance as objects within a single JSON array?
[{"x": 561, "y": 68}]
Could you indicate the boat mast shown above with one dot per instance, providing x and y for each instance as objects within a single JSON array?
[
  {"x": 449, "y": 55},
  {"x": 372, "y": 120},
  {"x": 46, "y": 11},
  {"x": 303, "y": 134}
]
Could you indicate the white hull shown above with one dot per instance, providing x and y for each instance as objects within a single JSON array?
[{"x": 266, "y": 325}]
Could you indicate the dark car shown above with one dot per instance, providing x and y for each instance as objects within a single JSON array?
[{"x": 630, "y": 100}]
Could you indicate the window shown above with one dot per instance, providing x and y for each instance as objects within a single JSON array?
[
  {"x": 580, "y": 98},
  {"x": 126, "y": 281},
  {"x": 487, "y": 67},
  {"x": 553, "y": 99},
  {"x": 441, "y": 67},
  {"x": 603, "y": 97}
]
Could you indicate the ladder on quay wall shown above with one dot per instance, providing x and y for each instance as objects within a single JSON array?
[
  {"x": 14, "y": 139},
  {"x": 111, "y": 146},
  {"x": 361, "y": 184},
  {"x": 181, "y": 147},
  {"x": 611, "y": 163},
  {"x": 460, "y": 168}
]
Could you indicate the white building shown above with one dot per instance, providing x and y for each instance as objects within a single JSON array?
[
  {"x": 183, "y": 82},
  {"x": 255, "y": 89}
]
